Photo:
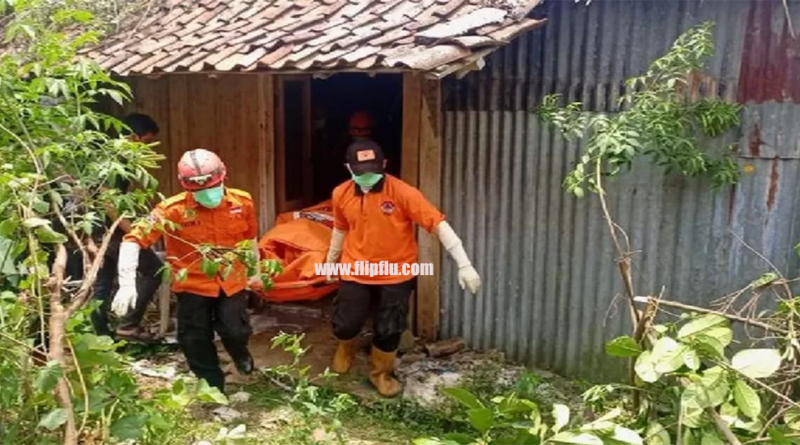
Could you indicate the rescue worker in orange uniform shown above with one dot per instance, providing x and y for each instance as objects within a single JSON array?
[
  {"x": 206, "y": 213},
  {"x": 374, "y": 217}
]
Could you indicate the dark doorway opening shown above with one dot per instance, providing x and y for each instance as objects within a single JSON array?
[
  {"x": 313, "y": 118},
  {"x": 334, "y": 101}
]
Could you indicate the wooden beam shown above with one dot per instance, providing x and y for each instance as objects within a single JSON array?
[
  {"x": 266, "y": 151},
  {"x": 409, "y": 159},
  {"x": 430, "y": 177},
  {"x": 178, "y": 123},
  {"x": 412, "y": 104},
  {"x": 280, "y": 148}
]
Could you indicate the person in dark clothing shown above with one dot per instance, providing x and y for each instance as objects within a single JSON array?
[{"x": 140, "y": 128}]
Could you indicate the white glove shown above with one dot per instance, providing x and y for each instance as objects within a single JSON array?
[
  {"x": 335, "y": 249},
  {"x": 467, "y": 275},
  {"x": 128, "y": 262}
]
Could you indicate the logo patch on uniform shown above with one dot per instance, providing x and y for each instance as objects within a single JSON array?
[
  {"x": 365, "y": 155},
  {"x": 236, "y": 210},
  {"x": 387, "y": 207}
]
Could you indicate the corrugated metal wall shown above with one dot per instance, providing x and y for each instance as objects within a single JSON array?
[{"x": 545, "y": 257}]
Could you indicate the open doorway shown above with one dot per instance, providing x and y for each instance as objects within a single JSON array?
[
  {"x": 312, "y": 120},
  {"x": 311, "y": 136}
]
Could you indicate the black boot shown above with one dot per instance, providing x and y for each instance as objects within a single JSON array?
[{"x": 245, "y": 365}]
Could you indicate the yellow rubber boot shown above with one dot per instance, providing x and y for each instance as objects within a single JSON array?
[
  {"x": 343, "y": 358},
  {"x": 381, "y": 374}
]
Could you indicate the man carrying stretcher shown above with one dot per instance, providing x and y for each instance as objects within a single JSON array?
[{"x": 374, "y": 217}]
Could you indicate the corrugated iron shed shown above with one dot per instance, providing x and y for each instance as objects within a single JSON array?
[
  {"x": 551, "y": 288},
  {"x": 300, "y": 35}
]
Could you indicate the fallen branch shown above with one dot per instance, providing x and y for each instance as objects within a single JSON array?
[{"x": 690, "y": 308}]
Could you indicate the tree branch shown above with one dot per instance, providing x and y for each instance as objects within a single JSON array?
[
  {"x": 58, "y": 320},
  {"x": 690, "y": 308},
  {"x": 89, "y": 278}
]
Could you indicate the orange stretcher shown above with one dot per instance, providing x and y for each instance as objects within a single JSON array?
[{"x": 299, "y": 240}]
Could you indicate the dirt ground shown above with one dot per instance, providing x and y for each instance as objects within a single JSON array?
[{"x": 421, "y": 375}]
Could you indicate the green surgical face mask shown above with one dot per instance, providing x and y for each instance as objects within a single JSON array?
[
  {"x": 209, "y": 198},
  {"x": 367, "y": 180}
]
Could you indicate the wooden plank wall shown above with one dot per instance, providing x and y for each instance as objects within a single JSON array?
[
  {"x": 228, "y": 114},
  {"x": 421, "y": 167}
]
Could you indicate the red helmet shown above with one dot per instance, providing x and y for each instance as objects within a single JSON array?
[
  {"x": 200, "y": 169},
  {"x": 360, "y": 124}
]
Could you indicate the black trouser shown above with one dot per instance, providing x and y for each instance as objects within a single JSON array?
[
  {"x": 198, "y": 318},
  {"x": 147, "y": 284},
  {"x": 389, "y": 307}
]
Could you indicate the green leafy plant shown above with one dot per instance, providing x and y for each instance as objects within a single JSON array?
[
  {"x": 60, "y": 160},
  {"x": 712, "y": 386},
  {"x": 320, "y": 407},
  {"x": 514, "y": 420},
  {"x": 657, "y": 119}
]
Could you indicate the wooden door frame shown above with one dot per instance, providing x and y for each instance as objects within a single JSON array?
[
  {"x": 422, "y": 168},
  {"x": 281, "y": 204}
]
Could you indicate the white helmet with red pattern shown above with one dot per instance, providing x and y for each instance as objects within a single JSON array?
[{"x": 200, "y": 169}]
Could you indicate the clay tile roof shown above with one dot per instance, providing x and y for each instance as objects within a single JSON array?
[{"x": 371, "y": 35}]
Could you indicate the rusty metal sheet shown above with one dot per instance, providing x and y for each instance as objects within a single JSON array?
[{"x": 771, "y": 53}]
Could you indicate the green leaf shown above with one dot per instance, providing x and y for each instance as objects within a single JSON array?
[
  {"x": 482, "y": 419},
  {"x": 746, "y": 399},
  {"x": 463, "y": 397},
  {"x": 668, "y": 355},
  {"x": 710, "y": 346},
  {"x": 764, "y": 280},
  {"x": 710, "y": 437},
  {"x": 560, "y": 417},
  {"x": 115, "y": 96},
  {"x": 625, "y": 435},
  {"x": 47, "y": 378},
  {"x": 701, "y": 324},
  {"x": 708, "y": 392},
  {"x": 690, "y": 437},
  {"x": 656, "y": 434},
  {"x": 645, "y": 368},
  {"x": 624, "y": 346},
  {"x": 778, "y": 438},
  {"x": 47, "y": 235},
  {"x": 693, "y": 417},
  {"x": 792, "y": 418},
  {"x": 8, "y": 227},
  {"x": 181, "y": 275},
  {"x": 209, "y": 267},
  {"x": 691, "y": 359},
  {"x": 128, "y": 427},
  {"x": 576, "y": 439},
  {"x": 433, "y": 441},
  {"x": 210, "y": 394},
  {"x": 32, "y": 223},
  {"x": 459, "y": 438},
  {"x": 54, "y": 419},
  {"x": 757, "y": 363}
]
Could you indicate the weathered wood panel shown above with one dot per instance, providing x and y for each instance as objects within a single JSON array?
[{"x": 430, "y": 176}]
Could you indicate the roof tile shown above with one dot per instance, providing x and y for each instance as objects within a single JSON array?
[{"x": 227, "y": 35}]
